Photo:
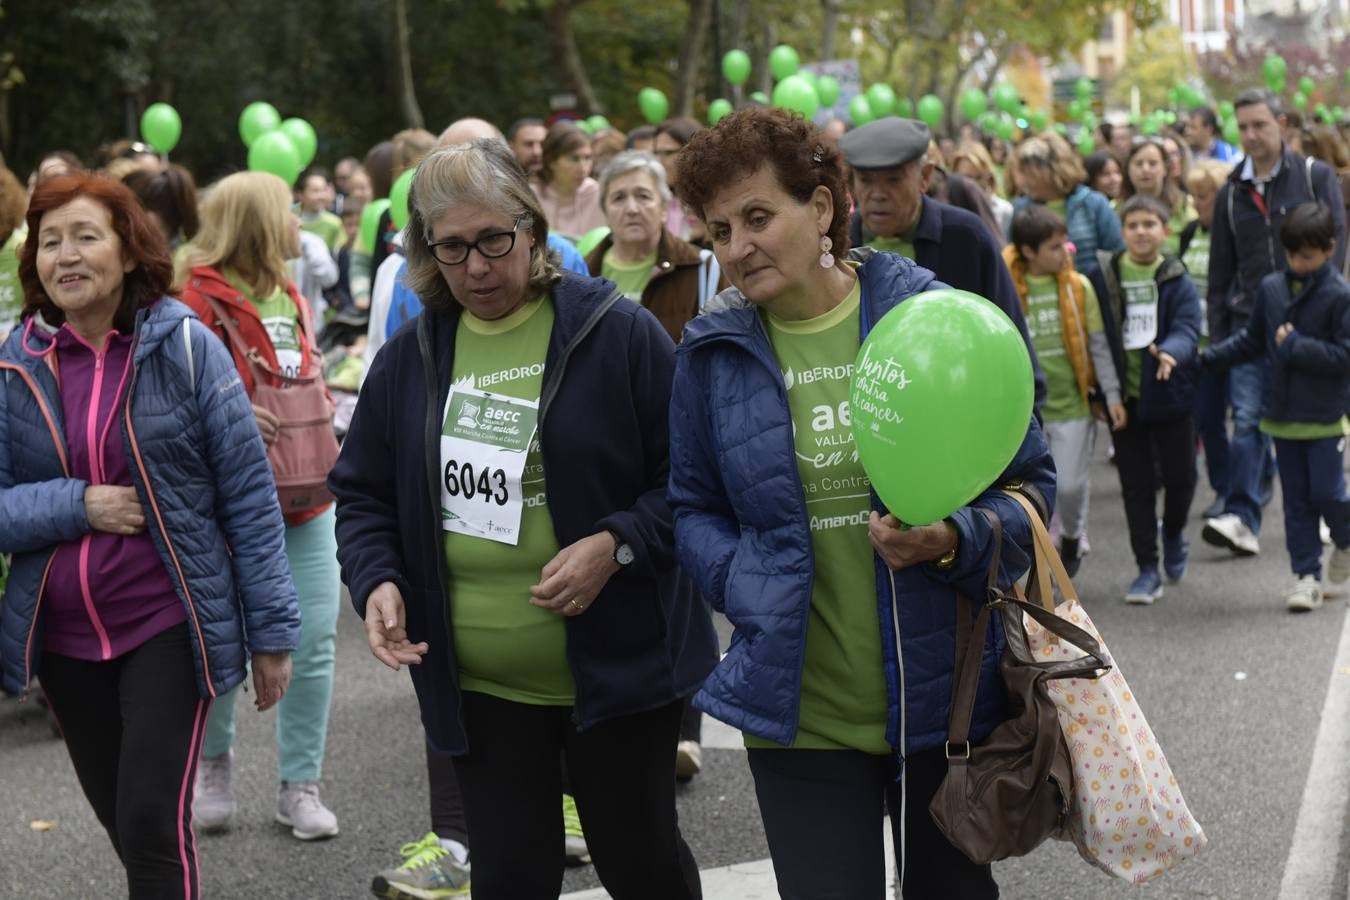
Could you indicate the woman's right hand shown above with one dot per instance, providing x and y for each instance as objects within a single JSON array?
[
  {"x": 385, "y": 628},
  {"x": 114, "y": 509},
  {"x": 268, "y": 424}
]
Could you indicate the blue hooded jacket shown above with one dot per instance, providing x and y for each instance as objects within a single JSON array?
[
  {"x": 202, "y": 475},
  {"x": 742, "y": 530},
  {"x": 1091, "y": 222}
]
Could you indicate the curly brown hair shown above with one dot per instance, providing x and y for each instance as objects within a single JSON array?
[{"x": 801, "y": 159}]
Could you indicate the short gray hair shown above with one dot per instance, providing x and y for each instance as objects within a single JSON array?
[
  {"x": 634, "y": 161},
  {"x": 482, "y": 173}
]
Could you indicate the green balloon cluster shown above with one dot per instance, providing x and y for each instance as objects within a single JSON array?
[
  {"x": 736, "y": 67},
  {"x": 653, "y": 105},
  {"x": 161, "y": 127},
  {"x": 795, "y": 93},
  {"x": 945, "y": 378},
  {"x": 283, "y": 148},
  {"x": 1274, "y": 69}
]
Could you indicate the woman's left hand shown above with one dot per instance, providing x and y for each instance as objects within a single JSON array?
[
  {"x": 900, "y": 549},
  {"x": 571, "y": 581},
  {"x": 1166, "y": 362}
]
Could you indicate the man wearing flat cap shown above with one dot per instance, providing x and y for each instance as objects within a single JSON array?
[{"x": 890, "y": 166}]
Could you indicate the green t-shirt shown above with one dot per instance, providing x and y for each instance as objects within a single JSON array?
[
  {"x": 327, "y": 226},
  {"x": 506, "y": 646},
  {"x": 892, "y": 245},
  {"x": 630, "y": 278},
  {"x": 1062, "y": 398},
  {"x": 1140, "y": 289},
  {"x": 1196, "y": 259},
  {"x": 1180, "y": 219},
  {"x": 281, "y": 321},
  {"x": 843, "y": 699},
  {"x": 1305, "y": 431},
  {"x": 11, "y": 291},
  {"x": 1058, "y": 207}
]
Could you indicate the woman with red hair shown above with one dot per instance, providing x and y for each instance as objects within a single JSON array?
[{"x": 137, "y": 500}]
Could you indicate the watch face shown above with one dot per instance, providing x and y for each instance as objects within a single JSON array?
[{"x": 623, "y": 555}]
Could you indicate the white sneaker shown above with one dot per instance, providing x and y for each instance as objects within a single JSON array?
[
  {"x": 299, "y": 808},
  {"x": 213, "y": 803},
  {"x": 1304, "y": 596},
  {"x": 1324, "y": 532},
  {"x": 688, "y": 760},
  {"x": 1229, "y": 531},
  {"x": 1338, "y": 572}
]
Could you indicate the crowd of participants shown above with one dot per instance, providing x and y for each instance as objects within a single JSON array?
[{"x": 171, "y": 349}]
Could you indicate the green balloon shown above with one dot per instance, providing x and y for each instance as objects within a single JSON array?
[
  {"x": 398, "y": 199},
  {"x": 598, "y": 123},
  {"x": 828, "y": 90},
  {"x": 274, "y": 152},
  {"x": 1089, "y": 120},
  {"x": 736, "y": 66},
  {"x": 1275, "y": 82},
  {"x": 1039, "y": 120},
  {"x": 370, "y": 224},
  {"x": 1274, "y": 65},
  {"x": 257, "y": 119},
  {"x": 1083, "y": 88},
  {"x": 591, "y": 239},
  {"x": 809, "y": 77},
  {"x": 1062, "y": 129},
  {"x": 760, "y": 97},
  {"x": 1169, "y": 117},
  {"x": 1307, "y": 85},
  {"x": 989, "y": 122},
  {"x": 583, "y": 125},
  {"x": 1226, "y": 109},
  {"x": 161, "y": 127},
  {"x": 303, "y": 137},
  {"x": 973, "y": 103},
  {"x": 1004, "y": 129},
  {"x": 1005, "y": 97},
  {"x": 930, "y": 110},
  {"x": 1075, "y": 109},
  {"x": 717, "y": 110},
  {"x": 653, "y": 104},
  {"x": 1300, "y": 101},
  {"x": 944, "y": 378},
  {"x": 1086, "y": 144},
  {"x": 1231, "y": 133},
  {"x": 783, "y": 61},
  {"x": 796, "y": 94},
  {"x": 881, "y": 100},
  {"x": 859, "y": 110},
  {"x": 904, "y": 108}
]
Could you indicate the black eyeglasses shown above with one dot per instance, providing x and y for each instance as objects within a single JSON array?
[{"x": 490, "y": 246}]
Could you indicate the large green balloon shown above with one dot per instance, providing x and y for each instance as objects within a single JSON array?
[
  {"x": 1005, "y": 97},
  {"x": 940, "y": 401},
  {"x": 303, "y": 137},
  {"x": 795, "y": 93},
  {"x": 736, "y": 66},
  {"x": 370, "y": 224},
  {"x": 881, "y": 100},
  {"x": 591, "y": 239},
  {"x": 274, "y": 152},
  {"x": 653, "y": 104},
  {"x": 827, "y": 88},
  {"x": 973, "y": 103},
  {"x": 859, "y": 110},
  {"x": 717, "y": 110},
  {"x": 398, "y": 199},
  {"x": 930, "y": 110},
  {"x": 161, "y": 127},
  {"x": 257, "y": 119},
  {"x": 783, "y": 61}
]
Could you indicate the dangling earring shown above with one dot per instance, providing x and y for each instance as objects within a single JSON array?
[{"x": 826, "y": 257}]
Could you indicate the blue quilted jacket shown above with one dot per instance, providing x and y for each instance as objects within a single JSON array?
[
  {"x": 742, "y": 530},
  {"x": 203, "y": 477}
]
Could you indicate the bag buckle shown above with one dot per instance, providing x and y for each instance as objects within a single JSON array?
[{"x": 947, "y": 747}]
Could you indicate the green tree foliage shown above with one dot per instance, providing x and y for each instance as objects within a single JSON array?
[{"x": 1157, "y": 61}]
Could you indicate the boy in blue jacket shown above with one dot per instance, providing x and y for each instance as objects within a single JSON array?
[
  {"x": 1301, "y": 323},
  {"x": 1151, "y": 316}
]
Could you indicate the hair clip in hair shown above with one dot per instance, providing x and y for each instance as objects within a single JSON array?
[{"x": 818, "y": 155}]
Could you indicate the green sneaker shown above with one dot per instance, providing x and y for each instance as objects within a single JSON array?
[
  {"x": 429, "y": 872},
  {"x": 575, "y": 851}
]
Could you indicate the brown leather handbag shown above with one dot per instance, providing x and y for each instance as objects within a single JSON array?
[{"x": 1005, "y": 796}]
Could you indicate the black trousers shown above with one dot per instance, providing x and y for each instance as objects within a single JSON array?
[
  {"x": 623, "y": 778},
  {"x": 134, "y": 727},
  {"x": 1147, "y": 452},
  {"x": 823, "y": 810},
  {"x": 447, "y": 804}
]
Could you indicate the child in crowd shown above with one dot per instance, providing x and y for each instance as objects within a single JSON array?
[
  {"x": 1065, "y": 323},
  {"x": 314, "y": 191},
  {"x": 1152, "y": 319},
  {"x": 1301, "y": 324},
  {"x": 339, "y": 296}
]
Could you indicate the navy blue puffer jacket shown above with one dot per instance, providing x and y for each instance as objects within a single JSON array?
[
  {"x": 203, "y": 478},
  {"x": 742, "y": 531}
]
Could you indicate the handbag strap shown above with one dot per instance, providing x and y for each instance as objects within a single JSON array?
[
  {"x": 1048, "y": 570},
  {"x": 251, "y": 354},
  {"x": 970, "y": 642}
]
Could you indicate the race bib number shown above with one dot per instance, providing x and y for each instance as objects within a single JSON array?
[
  {"x": 1141, "y": 314},
  {"x": 484, "y": 445},
  {"x": 286, "y": 342}
]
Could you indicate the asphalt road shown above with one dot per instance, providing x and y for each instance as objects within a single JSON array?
[{"x": 1232, "y": 684}]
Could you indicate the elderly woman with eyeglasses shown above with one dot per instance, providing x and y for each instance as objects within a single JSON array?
[
  {"x": 1049, "y": 171},
  {"x": 503, "y": 527}
]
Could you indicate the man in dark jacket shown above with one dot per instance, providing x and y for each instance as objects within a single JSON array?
[
  {"x": 891, "y": 170},
  {"x": 1245, "y": 248}
]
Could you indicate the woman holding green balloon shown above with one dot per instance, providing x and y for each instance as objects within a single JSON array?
[{"x": 845, "y": 620}]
